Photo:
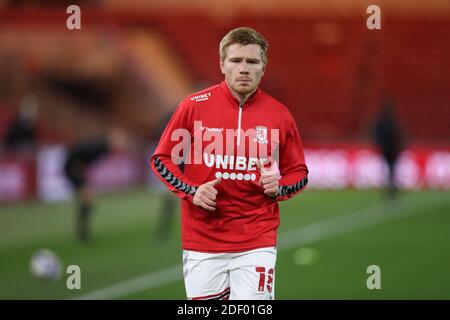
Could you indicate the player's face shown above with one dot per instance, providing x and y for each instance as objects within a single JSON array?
[{"x": 243, "y": 68}]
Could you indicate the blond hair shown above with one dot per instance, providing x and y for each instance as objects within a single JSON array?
[{"x": 244, "y": 36}]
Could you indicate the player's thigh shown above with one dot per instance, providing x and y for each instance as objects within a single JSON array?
[
  {"x": 206, "y": 275},
  {"x": 252, "y": 276}
]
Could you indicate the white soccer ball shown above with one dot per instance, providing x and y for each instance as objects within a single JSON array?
[{"x": 46, "y": 265}]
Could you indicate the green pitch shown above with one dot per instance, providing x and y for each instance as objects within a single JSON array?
[{"x": 327, "y": 240}]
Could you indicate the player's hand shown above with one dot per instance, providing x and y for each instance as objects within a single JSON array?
[
  {"x": 269, "y": 178},
  {"x": 205, "y": 196}
]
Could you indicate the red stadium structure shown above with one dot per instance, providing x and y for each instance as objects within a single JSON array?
[{"x": 131, "y": 63}]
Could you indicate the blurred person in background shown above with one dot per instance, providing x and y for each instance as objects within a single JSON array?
[
  {"x": 81, "y": 156},
  {"x": 389, "y": 140},
  {"x": 21, "y": 136}
]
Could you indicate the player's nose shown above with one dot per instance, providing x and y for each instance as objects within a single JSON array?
[{"x": 243, "y": 68}]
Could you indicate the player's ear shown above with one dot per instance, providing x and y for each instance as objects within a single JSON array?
[{"x": 221, "y": 65}]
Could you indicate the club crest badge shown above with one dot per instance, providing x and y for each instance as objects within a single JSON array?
[{"x": 261, "y": 135}]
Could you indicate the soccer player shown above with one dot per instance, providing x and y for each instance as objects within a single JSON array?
[
  {"x": 389, "y": 140},
  {"x": 81, "y": 156},
  {"x": 22, "y": 135},
  {"x": 242, "y": 153}
]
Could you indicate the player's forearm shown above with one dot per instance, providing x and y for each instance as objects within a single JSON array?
[
  {"x": 169, "y": 173},
  {"x": 292, "y": 184}
]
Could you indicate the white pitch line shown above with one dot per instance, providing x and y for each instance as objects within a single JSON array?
[
  {"x": 354, "y": 221},
  {"x": 351, "y": 222},
  {"x": 151, "y": 280}
]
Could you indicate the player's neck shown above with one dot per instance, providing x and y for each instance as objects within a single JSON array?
[{"x": 242, "y": 98}]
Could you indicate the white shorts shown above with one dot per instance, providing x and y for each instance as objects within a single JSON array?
[{"x": 248, "y": 275}]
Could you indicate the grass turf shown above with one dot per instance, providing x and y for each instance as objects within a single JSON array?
[{"x": 412, "y": 251}]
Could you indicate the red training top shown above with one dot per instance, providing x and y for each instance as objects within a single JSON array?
[{"x": 214, "y": 136}]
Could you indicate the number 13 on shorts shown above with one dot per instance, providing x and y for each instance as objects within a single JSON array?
[{"x": 263, "y": 284}]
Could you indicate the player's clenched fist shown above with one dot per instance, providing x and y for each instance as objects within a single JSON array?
[
  {"x": 205, "y": 196},
  {"x": 269, "y": 178}
]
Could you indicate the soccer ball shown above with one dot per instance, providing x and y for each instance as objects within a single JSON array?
[{"x": 45, "y": 265}]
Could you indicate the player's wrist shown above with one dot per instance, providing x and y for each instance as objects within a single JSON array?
[{"x": 272, "y": 196}]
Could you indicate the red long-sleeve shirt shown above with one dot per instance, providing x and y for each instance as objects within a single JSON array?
[{"x": 213, "y": 135}]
